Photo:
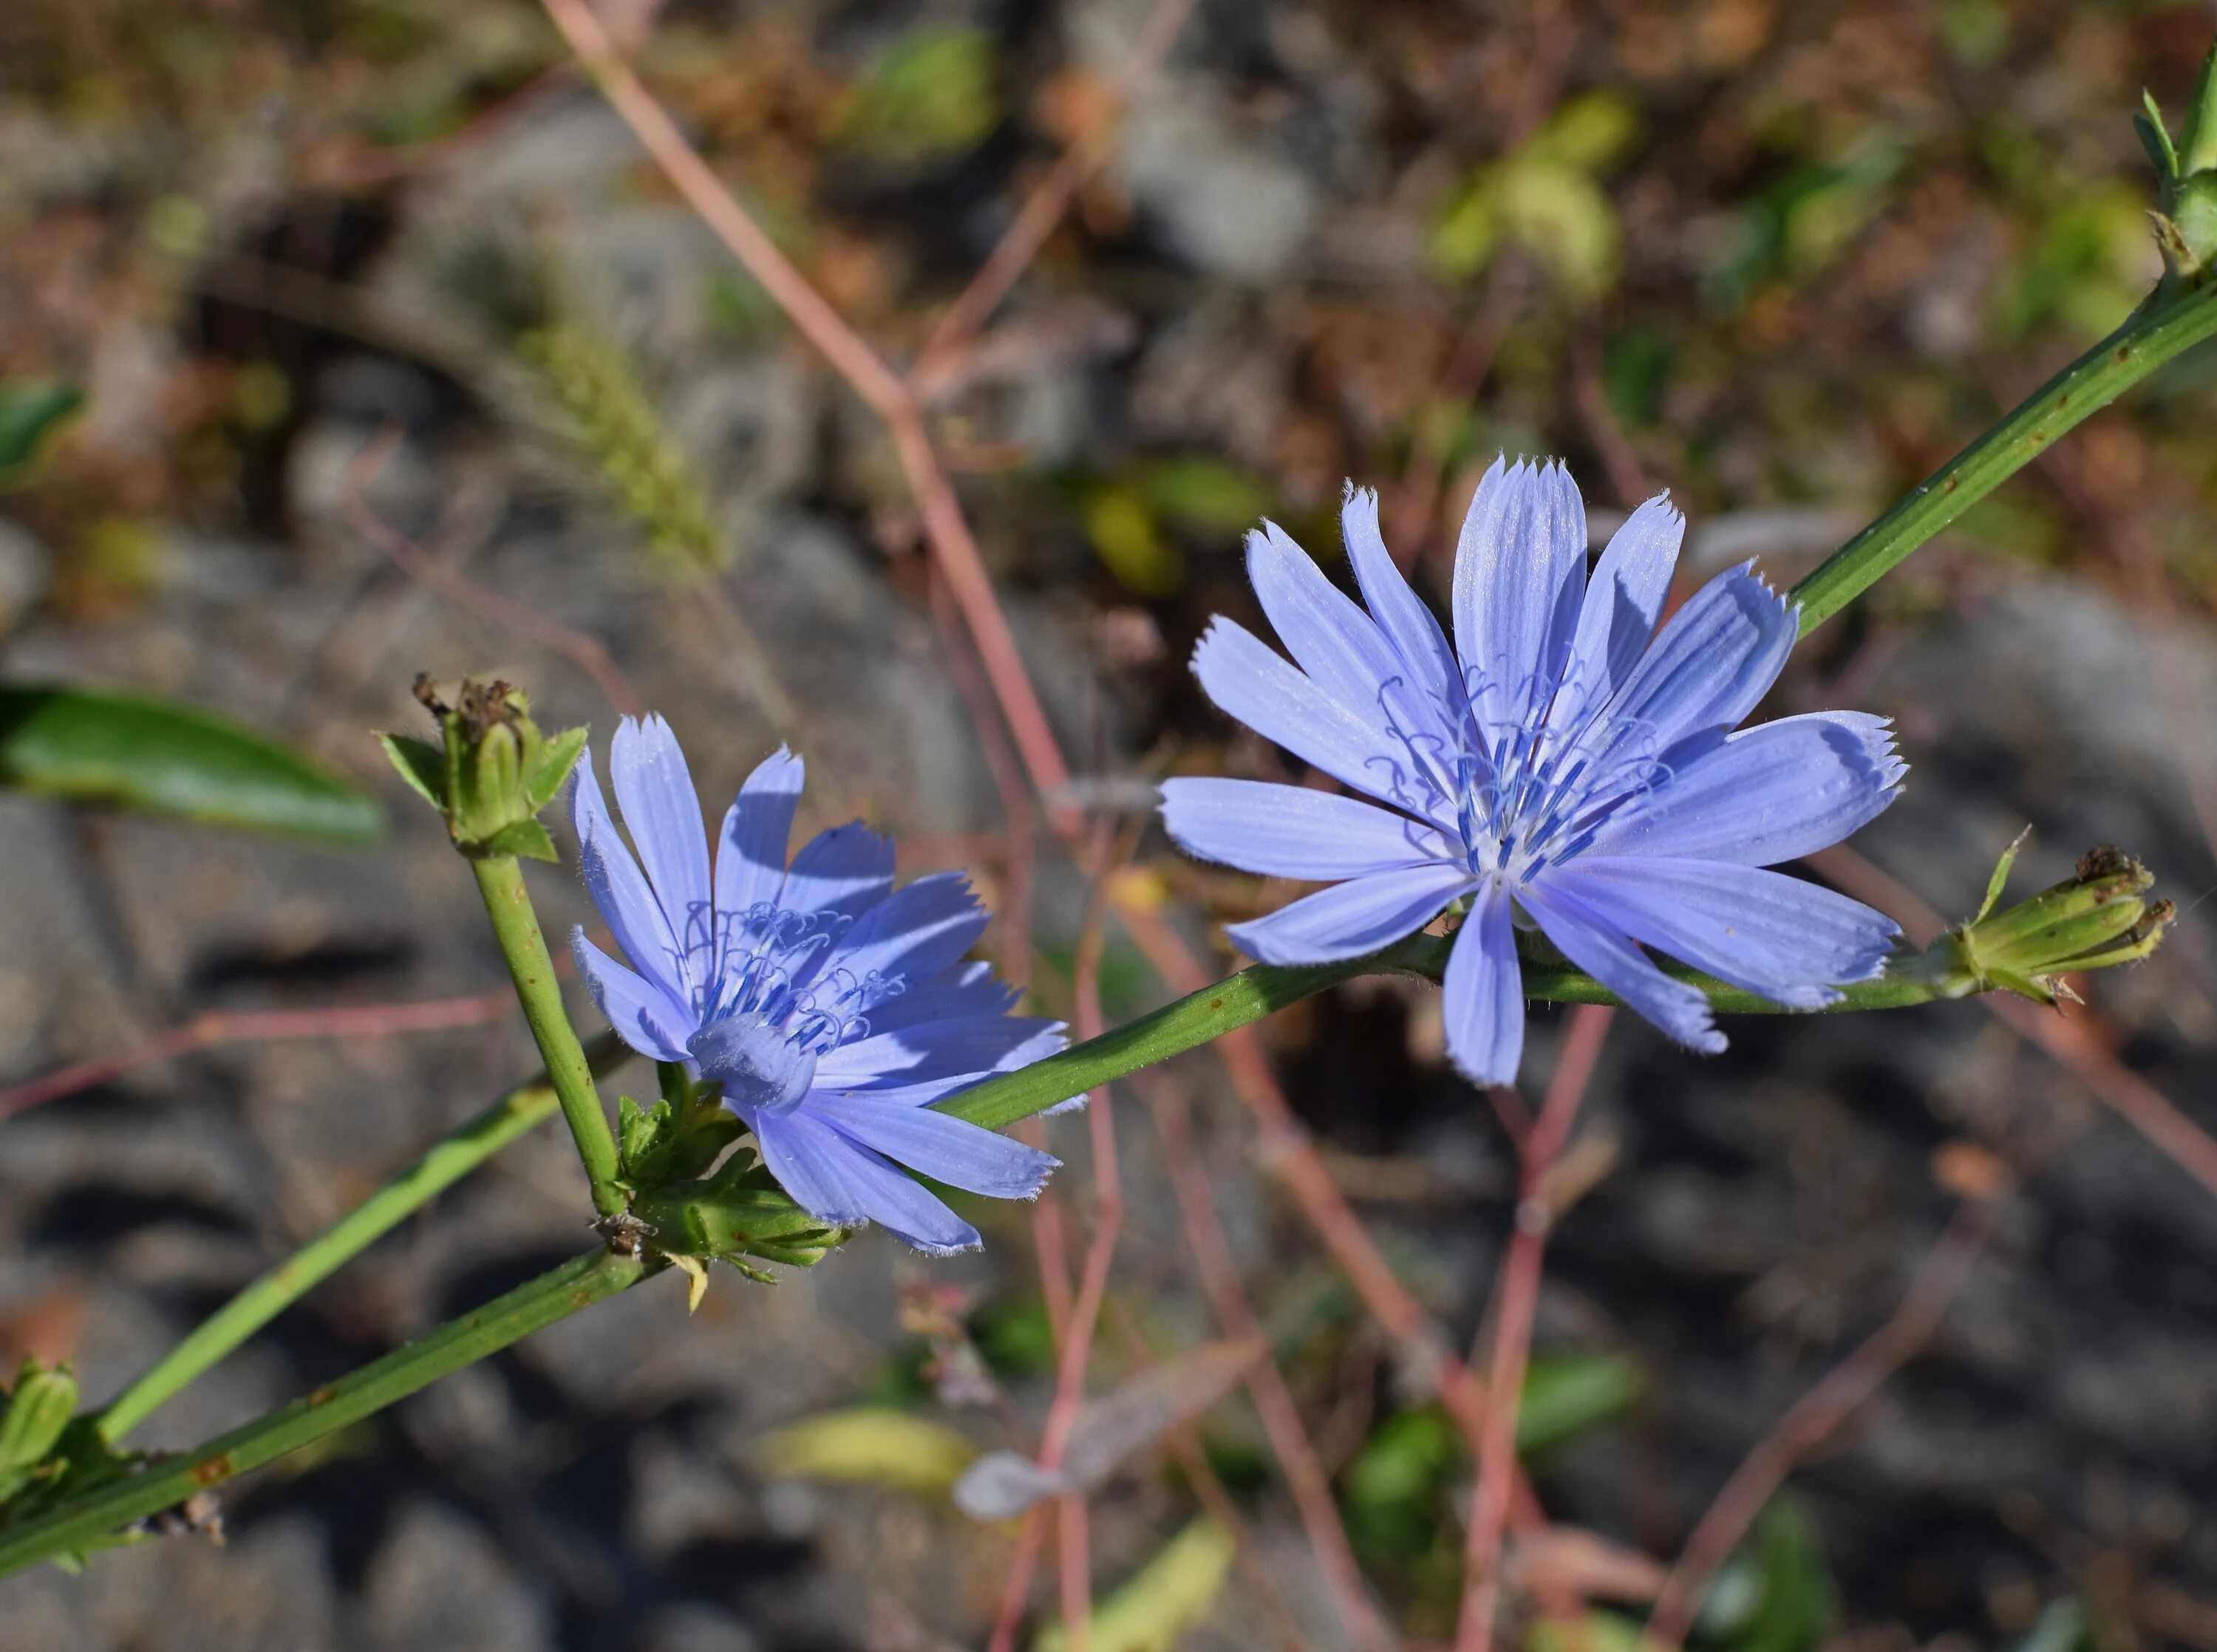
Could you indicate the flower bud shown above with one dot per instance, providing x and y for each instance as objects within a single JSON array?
[
  {"x": 37, "y": 1411},
  {"x": 2098, "y": 916},
  {"x": 492, "y": 771}
]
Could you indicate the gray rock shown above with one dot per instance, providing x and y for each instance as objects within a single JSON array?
[
  {"x": 439, "y": 1581},
  {"x": 1222, "y": 199}
]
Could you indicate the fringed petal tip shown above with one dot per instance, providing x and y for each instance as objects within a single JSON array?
[{"x": 938, "y": 1248}]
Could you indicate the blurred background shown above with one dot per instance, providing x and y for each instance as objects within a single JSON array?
[{"x": 344, "y": 339}]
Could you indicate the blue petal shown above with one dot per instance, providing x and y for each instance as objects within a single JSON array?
[
  {"x": 952, "y": 1150},
  {"x": 965, "y": 990},
  {"x": 1520, "y": 572},
  {"x": 625, "y": 902},
  {"x": 1250, "y": 682},
  {"x": 1400, "y": 611},
  {"x": 642, "y": 1014},
  {"x": 980, "y": 1044},
  {"x": 847, "y": 870},
  {"x": 1618, "y": 617},
  {"x": 1603, "y": 952},
  {"x": 1353, "y": 918},
  {"x": 1483, "y": 993},
  {"x": 1341, "y": 650},
  {"x": 750, "y": 851},
  {"x": 844, "y": 1184},
  {"x": 913, "y": 933},
  {"x": 1290, "y": 831},
  {"x": 1773, "y": 792},
  {"x": 1762, "y": 931},
  {"x": 662, "y": 811},
  {"x": 1709, "y": 666}
]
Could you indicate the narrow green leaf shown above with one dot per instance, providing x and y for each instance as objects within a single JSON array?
[
  {"x": 421, "y": 764},
  {"x": 132, "y": 751}
]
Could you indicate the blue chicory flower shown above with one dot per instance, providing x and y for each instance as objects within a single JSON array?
[
  {"x": 832, "y": 1009},
  {"x": 1565, "y": 764}
]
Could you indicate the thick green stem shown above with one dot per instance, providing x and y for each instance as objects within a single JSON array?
[
  {"x": 507, "y": 904},
  {"x": 451, "y": 1158},
  {"x": 577, "y": 1284},
  {"x": 2168, "y": 324},
  {"x": 1253, "y": 993}
]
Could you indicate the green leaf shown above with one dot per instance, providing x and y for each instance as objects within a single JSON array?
[
  {"x": 31, "y": 410},
  {"x": 1130, "y": 543},
  {"x": 421, "y": 764},
  {"x": 127, "y": 751},
  {"x": 1775, "y": 1595},
  {"x": 929, "y": 95},
  {"x": 1566, "y": 1395},
  {"x": 1205, "y": 495}
]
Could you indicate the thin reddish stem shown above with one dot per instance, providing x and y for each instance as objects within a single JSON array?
[
  {"x": 525, "y": 621},
  {"x": 1046, "y": 206},
  {"x": 216, "y": 1027},
  {"x": 717, "y": 208},
  {"x": 1022, "y": 824},
  {"x": 948, "y": 534},
  {"x": 1074, "y": 1343},
  {"x": 1517, "y": 1304},
  {"x": 1814, "y": 1417},
  {"x": 1589, "y": 393},
  {"x": 1266, "y": 1386}
]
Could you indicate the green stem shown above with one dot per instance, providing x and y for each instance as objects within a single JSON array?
[
  {"x": 451, "y": 1158},
  {"x": 1253, "y": 993},
  {"x": 516, "y": 926},
  {"x": 2168, "y": 324},
  {"x": 576, "y": 1284}
]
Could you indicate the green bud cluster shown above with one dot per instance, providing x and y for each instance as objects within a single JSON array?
[
  {"x": 2186, "y": 173},
  {"x": 693, "y": 1217},
  {"x": 492, "y": 771},
  {"x": 2098, "y": 916},
  {"x": 682, "y": 1215}
]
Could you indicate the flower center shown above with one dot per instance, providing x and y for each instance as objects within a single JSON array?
[
  {"x": 762, "y": 1067},
  {"x": 777, "y": 1002}
]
